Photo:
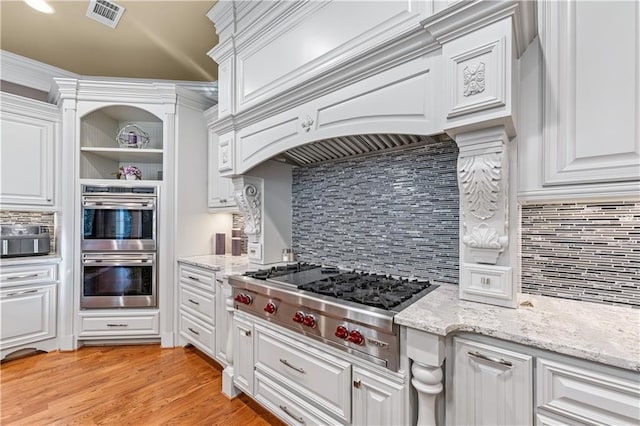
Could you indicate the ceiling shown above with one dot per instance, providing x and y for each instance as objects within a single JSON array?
[{"x": 154, "y": 39}]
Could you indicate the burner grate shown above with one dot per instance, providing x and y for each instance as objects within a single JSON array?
[
  {"x": 277, "y": 271},
  {"x": 380, "y": 291}
]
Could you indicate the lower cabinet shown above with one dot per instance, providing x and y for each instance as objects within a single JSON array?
[
  {"x": 223, "y": 292},
  {"x": 28, "y": 308},
  {"x": 582, "y": 393},
  {"x": 491, "y": 386},
  {"x": 303, "y": 381}
]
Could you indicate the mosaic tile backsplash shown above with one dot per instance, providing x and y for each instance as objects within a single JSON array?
[
  {"x": 584, "y": 251},
  {"x": 394, "y": 213},
  {"x": 238, "y": 222},
  {"x": 14, "y": 217}
]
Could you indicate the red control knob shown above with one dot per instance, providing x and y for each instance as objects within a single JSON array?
[
  {"x": 355, "y": 337},
  {"x": 342, "y": 332},
  {"x": 245, "y": 299},
  {"x": 271, "y": 308},
  {"x": 309, "y": 321},
  {"x": 299, "y": 317}
]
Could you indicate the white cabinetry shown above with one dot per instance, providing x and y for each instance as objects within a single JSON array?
[
  {"x": 198, "y": 307},
  {"x": 589, "y": 142},
  {"x": 492, "y": 386},
  {"x": 223, "y": 292},
  {"x": 579, "y": 394},
  {"x": 243, "y": 354},
  {"x": 28, "y": 306},
  {"x": 27, "y": 152},
  {"x": 305, "y": 382},
  {"x": 491, "y": 382},
  {"x": 376, "y": 400},
  {"x": 220, "y": 188}
]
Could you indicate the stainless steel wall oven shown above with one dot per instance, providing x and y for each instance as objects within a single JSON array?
[
  {"x": 119, "y": 246},
  {"x": 118, "y": 218},
  {"x": 119, "y": 280}
]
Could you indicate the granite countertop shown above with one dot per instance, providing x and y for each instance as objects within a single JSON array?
[
  {"x": 225, "y": 263},
  {"x": 592, "y": 331},
  {"x": 30, "y": 260}
]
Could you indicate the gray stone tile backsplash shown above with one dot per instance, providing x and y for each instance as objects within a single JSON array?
[
  {"x": 586, "y": 251},
  {"x": 15, "y": 217},
  {"x": 393, "y": 213}
]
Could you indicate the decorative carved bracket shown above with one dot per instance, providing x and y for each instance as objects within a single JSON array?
[
  {"x": 248, "y": 195},
  {"x": 482, "y": 177}
]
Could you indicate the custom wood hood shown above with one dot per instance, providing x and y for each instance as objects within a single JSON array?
[{"x": 303, "y": 82}]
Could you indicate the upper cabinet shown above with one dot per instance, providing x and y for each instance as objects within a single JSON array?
[
  {"x": 28, "y": 149},
  {"x": 119, "y": 136},
  {"x": 588, "y": 139}
]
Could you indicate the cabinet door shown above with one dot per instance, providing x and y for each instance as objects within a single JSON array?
[
  {"x": 491, "y": 385},
  {"x": 243, "y": 355},
  {"x": 591, "y": 90},
  {"x": 28, "y": 314},
  {"x": 376, "y": 400},
  {"x": 27, "y": 160},
  {"x": 222, "y": 320},
  {"x": 220, "y": 188}
]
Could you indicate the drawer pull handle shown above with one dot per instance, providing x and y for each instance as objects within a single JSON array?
[
  {"x": 117, "y": 325},
  {"x": 193, "y": 331},
  {"x": 245, "y": 333},
  {"x": 193, "y": 278},
  {"x": 356, "y": 384},
  {"x": 22, "y": 292},
  {"x": 22, "y": 277},
  {"x": 290, "y": 414},
  {"x": 193, "y": 301},
  {"x": 219, "y": 281},
  {"x": 490, "y": 359},
  {"x": 298, "y": 369}
]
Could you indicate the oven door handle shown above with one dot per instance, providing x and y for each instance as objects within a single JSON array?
[
  {"x": 124, "y": 204},
  {"x": 117, "y": 262}
]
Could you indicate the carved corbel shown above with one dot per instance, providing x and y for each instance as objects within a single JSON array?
[
  {"x": 248, "y": 195},
  {"x": 482, "y": 178}
]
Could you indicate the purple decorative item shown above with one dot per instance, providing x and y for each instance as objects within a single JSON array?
[
  {"x": 133, "y": 139},
  {"x": 220, "y": 243},
  {"x": 236, "y": 246}
]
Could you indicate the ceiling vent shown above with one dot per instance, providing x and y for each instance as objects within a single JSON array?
[{"x": 105, "y": 12}]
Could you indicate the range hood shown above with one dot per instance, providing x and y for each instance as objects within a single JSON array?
[
  {"x": 352, "y": 146},
  {"x": 302, "y": 84}
]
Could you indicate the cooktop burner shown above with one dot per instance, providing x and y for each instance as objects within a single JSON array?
[
  {"x": 277, "y": 271},
  {"x": 380, "y": 291}
]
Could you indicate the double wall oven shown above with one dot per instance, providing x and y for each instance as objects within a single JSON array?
[{"x": 119, "y": 246}]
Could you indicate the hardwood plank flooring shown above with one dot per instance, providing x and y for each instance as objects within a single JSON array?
[{"x": 118, "y": 385}]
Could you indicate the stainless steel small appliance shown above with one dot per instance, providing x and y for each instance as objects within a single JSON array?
[
  {"x": 24, "y": 240},
  {"x": 119, "y": 280},
  {"x": 349, "y": 310},
  {"x": 119, "y": 218}
]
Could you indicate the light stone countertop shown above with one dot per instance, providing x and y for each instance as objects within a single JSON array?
[
  {"x": 596, "y": 332},
  {"x": 225, "y": 263},
  {"x": 30, "y": 260}
]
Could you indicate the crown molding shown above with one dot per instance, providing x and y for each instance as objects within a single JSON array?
[
  {"x": 30, "y": 73},
  {"x": 38, "y": 75},
  {"x": 29, "y": 107}
]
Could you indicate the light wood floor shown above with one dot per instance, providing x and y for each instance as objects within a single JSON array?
[{"x": 121, "y": 385}]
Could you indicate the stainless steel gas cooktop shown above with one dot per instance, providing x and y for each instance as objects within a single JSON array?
[{"x": 349, "y": 310}]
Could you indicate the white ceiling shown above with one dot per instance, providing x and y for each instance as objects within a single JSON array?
[{"x": 154, "y": 39}]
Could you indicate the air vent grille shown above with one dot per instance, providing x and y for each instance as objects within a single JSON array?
[{"x": 105, "y": 12}]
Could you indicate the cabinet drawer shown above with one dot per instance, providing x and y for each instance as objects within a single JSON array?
[
  {"x": 322, "y": 378},
  {"x": 28, "y": 314},
  {"x": 33, "y": 274},
  {"x": 198, "y": 277},
  {"x": 138, "y": 324},
  {"x": 286, "y": 405},
  {"x": 198, "y": 303},
  {"x": 586, "y": 395},
  {"x": 198, "y": 333}
]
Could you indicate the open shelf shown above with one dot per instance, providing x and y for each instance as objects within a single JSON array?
[{"x": 121, "y": 155}]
